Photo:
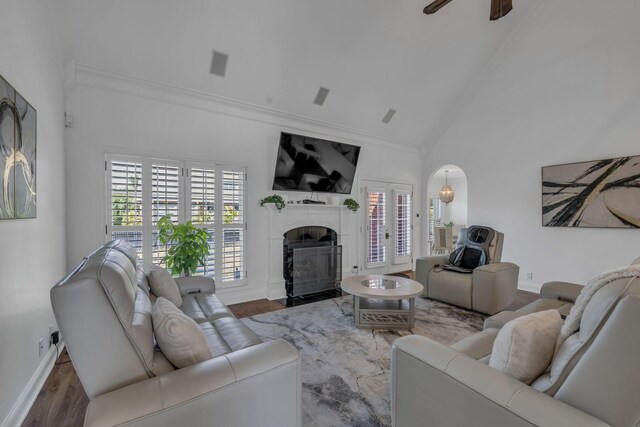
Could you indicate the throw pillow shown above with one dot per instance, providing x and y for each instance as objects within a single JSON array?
[
  {"x": 164, "y": 285},
  {"x": 179, "y": 337},
  {"x": 524, "y": 346}
]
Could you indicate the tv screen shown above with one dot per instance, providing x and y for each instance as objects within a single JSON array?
[{"x": 311, "y": 164}]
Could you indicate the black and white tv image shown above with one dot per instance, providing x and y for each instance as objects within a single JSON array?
[{"x": 317, "y": 165}]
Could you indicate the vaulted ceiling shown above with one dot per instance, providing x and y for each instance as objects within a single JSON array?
[{"x": 373, "y": 55}]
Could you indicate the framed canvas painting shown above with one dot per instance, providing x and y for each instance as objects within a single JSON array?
[
  {"x": 18, "y": 137},
  {"x": 597, "y": 194}
]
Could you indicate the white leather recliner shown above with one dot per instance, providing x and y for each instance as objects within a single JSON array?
[
  {"x": 489, "y": 289},
  {"x": 103, "y": 309},
  {"x": 592, "y": 380}
]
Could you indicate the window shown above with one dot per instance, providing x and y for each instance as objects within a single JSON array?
[
  {"x": 402, "y": 236},
  {"x": 141, "y": 191},
  {"x": 125, "y": 201},
  {"x": 435, "y": 215},
  {"x": 376, "y": 227}
]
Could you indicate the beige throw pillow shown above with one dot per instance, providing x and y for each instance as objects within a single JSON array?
[
  {"x": 179, "y": 337},
  {"x": 162, "y": 284},
  {"x": 524, "y": 346}
]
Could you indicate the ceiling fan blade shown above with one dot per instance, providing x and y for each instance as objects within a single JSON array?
[
  {"x": 435, "y": 6},
  {"x": 500, "y": 8}
]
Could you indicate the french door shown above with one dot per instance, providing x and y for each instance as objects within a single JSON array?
[{"x": 388, "y": 229}]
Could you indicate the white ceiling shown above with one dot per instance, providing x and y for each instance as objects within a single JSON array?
[{"x": 372, "y": 54}]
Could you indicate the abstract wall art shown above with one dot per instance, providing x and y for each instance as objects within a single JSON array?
[
  {"x": 599, "y": 194},
  {"x": 17, "y": 155}
]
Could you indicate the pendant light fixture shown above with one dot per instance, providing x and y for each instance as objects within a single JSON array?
[{"x": 446, "y": 193}]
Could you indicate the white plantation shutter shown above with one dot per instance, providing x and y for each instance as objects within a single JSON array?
[
  {"x": 202, "y": 210},
  {"x": 402, "y": 234},
  {"x": 232, "y": 225},
  {"x": 376, "y": 227},
  {"x": 125, "y": 202},
  {"x": 166, "y": 196},
  {"x": 141, "y": 191},
  {"x": 435, "y": 215}
]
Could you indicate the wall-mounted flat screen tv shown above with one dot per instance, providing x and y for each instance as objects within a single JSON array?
[{"x": 311, "y": 164}]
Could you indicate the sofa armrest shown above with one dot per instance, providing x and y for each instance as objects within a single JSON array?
[
  {"x": 258, "y": 385},
  {"x": 434, "y": 385},
  {"x": 196, "y": 284},
  {"x": 424, "y": 265},
  {"x": 562, "y": 291},
  {"x": 494, "y": 287}
]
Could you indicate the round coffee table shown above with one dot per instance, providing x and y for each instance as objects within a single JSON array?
[{"x": 383, "y": 302}]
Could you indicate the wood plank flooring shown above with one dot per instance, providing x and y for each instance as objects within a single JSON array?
[{"x": 62, "y": 401}]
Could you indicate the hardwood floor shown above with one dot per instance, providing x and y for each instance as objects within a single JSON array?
[{"x": 62, "y": 402}]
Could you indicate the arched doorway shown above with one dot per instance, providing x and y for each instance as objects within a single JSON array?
[{"x": 452, "y": 214}]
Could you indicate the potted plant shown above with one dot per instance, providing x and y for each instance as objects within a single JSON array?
[
  {"x": 188, "y": 246},
  {"x": 351, "y": 204},
  {"x": 449, "y": 224},
  {"x": 277, "y": 200}
]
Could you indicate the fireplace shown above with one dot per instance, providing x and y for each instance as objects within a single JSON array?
[
  {"x": 336, "y": 218},
  {"x": 311, "y": 261}
]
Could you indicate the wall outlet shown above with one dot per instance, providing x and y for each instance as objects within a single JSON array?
[
  {"x": 529, "y": 275},
  {"x": 40, "y": 347}
]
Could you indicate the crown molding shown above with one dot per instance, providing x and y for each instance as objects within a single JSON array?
[
  {"x": 79, "y": 74},
  {"x": 473, "y": 88}
]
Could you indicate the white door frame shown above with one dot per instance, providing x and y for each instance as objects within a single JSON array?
[{"x": 393, "y": 262}]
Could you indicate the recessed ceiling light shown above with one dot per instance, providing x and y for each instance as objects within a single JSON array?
[
  {"x": 387, "y": 117},
  {"x": 219, "y": 63},
  {"x": 321, "y": 96}
]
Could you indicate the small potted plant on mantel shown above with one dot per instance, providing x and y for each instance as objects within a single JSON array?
[
  {"x": 351, "y": 204},
  {"x": 274, "y": 199}
]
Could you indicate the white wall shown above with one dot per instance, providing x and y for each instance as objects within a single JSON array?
[
  {"x": 117, "y": 114},
  {"x": 567, "y": 90},
  {"x": 32, "y": 252}
]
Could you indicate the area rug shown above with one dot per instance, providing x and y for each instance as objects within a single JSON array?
[{"x": 345, "y": 370}]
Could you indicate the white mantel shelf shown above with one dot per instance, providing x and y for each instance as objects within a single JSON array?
[
  {"x": 294, "y": 215},
  {"x": 271, "y": 206}
]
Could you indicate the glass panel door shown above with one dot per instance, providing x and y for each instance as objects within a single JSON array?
[
  {"x": 377, "y": 232},
  {"x": 388, "y": 233}
]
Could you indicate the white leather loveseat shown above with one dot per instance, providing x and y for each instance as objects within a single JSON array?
[
  {"x": 592, "y": 379},
  {"x": 103, "y": 308}
]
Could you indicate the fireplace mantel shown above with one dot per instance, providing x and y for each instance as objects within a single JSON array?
[{"x": 337, "y": 217}]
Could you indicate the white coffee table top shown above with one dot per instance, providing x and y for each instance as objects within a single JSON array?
[{"x": 381, "y": 287}]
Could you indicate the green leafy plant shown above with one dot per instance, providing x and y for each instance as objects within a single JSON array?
[
  {"x": 277, "y": 200},
  {"x": 449, "y": 224},
  {"x": 351, "y": 204},
  {"x": 188, "y": 246}
]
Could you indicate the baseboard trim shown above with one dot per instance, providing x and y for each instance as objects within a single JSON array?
[{"x": 28, "y": 396}]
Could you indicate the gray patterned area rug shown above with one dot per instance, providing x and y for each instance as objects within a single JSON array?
[{"x": 345, "y": 370}]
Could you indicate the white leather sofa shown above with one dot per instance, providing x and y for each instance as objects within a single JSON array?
[
  {"x": 490, "y": 288},
  {"x": 103, "y": 308},
  {"x": 592, "y": 381},
  {"x": 553, "y": 295}
]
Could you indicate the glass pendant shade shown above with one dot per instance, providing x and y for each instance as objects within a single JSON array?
[{"x": 446, "y": 193}]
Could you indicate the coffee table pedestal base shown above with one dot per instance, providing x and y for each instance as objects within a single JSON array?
[{"x": 384, "y": 314}]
